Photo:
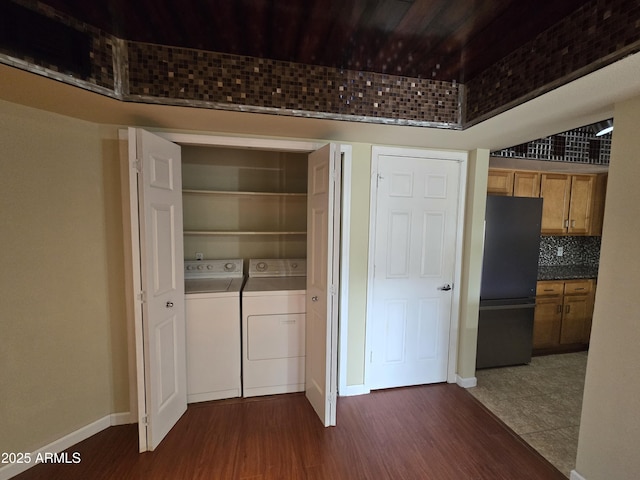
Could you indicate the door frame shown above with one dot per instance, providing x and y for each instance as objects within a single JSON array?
[
  {"x": 455, "y": 156},
  {"x": 132, "y": 242}
]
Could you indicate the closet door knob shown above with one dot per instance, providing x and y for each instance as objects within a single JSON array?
[
  {"x": 169, "y": 304},
  {"x": 314, "y": 299}
]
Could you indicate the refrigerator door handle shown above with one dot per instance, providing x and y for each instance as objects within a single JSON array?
[{"x": 508, "y": 307}]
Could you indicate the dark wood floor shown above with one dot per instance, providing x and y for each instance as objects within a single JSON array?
[{"x": 434, "y": 432}]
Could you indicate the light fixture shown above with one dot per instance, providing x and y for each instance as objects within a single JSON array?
[{"x": 602, "y": 128}]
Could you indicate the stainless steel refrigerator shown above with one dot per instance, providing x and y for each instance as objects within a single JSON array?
[{"x": 509, "y": 275}]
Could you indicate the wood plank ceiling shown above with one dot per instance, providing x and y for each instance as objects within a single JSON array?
[{"x": 438, "y": 39}]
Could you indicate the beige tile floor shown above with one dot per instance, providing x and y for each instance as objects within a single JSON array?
[{"x": 541, "y": 402}]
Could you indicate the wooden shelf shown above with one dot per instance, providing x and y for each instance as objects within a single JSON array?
[
  {"x": 237, "y": 233},
  {"x": 225, "y": 193}
]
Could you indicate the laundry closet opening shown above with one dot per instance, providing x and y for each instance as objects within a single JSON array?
[
  {"x": 244, "y": 203},
  {"x": 245, "y": 210}
]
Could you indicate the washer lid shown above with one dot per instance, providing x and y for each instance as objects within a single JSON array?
[{"x": 212, "y": 285}]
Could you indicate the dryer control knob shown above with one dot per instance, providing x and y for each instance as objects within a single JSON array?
[
  {"x": 229, "y": 267},
  {"x": 261, "y": 266}
]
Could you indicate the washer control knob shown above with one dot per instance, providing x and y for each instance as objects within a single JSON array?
[
  {"x": 229, "y": 267},
  {"x": 200, "y": 267},
  {"x": 261, "y": 266},
  {"x": 209, "y": 267}
]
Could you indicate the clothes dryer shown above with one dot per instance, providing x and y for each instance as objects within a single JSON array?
[{"x": 273, "y": 327}]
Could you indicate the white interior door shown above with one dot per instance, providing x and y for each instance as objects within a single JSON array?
[
  {"x": 414, "y": 257},
  {"x": 323, "y": 227},
  {"x": 162, "y": 287}
]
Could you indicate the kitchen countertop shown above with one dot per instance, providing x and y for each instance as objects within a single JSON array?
[{"x": 567, "y": 272}]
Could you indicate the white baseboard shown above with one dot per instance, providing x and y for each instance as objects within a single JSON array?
[
  {"x": 352, "y": 390},
  {"x": 57, "y": 446},
  {"x": 466, "y": 382},
  {"x": 576, "y": 476}
]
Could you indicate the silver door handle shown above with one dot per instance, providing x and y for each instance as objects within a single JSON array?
[
  {"x": 446, "y": 287},
  {"x": 314, "y": 299},
  {"x": 169, "y": 304}
]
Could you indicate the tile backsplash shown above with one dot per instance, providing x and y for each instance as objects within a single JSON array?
[{"x": 576, "y": 251}]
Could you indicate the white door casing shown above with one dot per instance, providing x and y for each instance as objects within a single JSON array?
[
  {"x": 323, "y": 227},
  {"x": 416, "y": 229},
  {"x": 162, "y": 387}
]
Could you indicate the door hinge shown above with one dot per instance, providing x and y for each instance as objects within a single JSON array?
[
  {"x": 141, "y": 297},
  {"x": 333, "y": 397},
  {"x": 137, "y": 164},
  {"x": 145, "y": 420},
  {"x": 332, "y": 289}
]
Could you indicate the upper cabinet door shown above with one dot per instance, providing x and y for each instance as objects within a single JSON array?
[
  {"x": 581, "y": 204},
  {"x": 526, "y": 184},
  {"x": 555, "y": 189},
  {"x": 500, "y": 182}
]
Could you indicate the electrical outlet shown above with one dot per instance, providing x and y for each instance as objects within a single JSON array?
[
  {"x": 199, "y": 256},
  {"x": 560, "y": 251}
]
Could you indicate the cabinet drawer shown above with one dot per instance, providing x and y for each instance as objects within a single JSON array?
[
  {"x": 572, "y": 287},
  {"x": 549, "y": 288}
]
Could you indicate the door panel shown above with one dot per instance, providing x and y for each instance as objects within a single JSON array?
[
  {"x": 323, "y": 217},
  {"x": 414, "y": 257},
  {"x": 163, "y": 321}
]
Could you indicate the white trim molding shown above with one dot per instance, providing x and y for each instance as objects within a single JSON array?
[
  {"x": 576, "y": 476},
  {"x": 68, "y": 441},
  {"x": 466, "y": 382}
]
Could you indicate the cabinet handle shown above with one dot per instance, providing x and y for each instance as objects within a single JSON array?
[
  {"x": 573, "y": 224},
  {"x": 559, "y": 309},
  {"x": 579, "y": 288},
  {"x": 566, "y": 223},
  {"x": 568, "y": 309}
]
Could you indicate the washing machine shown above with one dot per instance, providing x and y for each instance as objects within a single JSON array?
[
  {"x": 212, "y": 314},
  {"x": 273, "y": 327}
]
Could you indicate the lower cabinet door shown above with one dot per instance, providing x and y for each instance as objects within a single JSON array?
[
  {"x": 547, "y": 322},
  {"x": 575, "y": 320}
]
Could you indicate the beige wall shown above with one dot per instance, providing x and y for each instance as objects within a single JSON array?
[
  {"x": 610, "y": 426},
  {"x": 62, "y": 322},
  {"x": 358, "y": 261},
  {"x": 65, "y": 335}
]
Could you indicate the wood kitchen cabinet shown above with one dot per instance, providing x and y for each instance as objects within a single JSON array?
[
  {"x": 500, "y": 182},
  {"x": 563, "y": 314},
  {"x": 526, "y": 184},
  {"x": 573, "y": 204},
  {"x": 516, "y": 183},
  {"x": 573, "y": 195}
]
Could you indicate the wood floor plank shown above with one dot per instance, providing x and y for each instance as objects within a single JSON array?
[{"x": 435, "y": 432}]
